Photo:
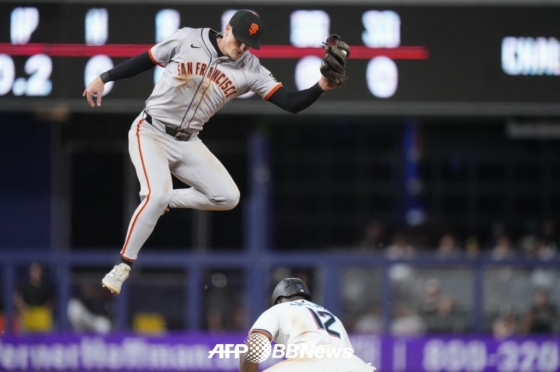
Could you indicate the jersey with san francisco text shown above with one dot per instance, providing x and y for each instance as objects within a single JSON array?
[
  {"x": 302, "y": 321},
  {"x": 196, "y": 82}
]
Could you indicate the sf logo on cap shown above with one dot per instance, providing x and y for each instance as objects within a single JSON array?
[{"x": 254, "y": 28}]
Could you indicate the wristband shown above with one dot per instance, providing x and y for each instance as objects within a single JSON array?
[{"x": 105, "y": 77}]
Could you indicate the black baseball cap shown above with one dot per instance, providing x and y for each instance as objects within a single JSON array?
[{"x": 247, "y": 27}]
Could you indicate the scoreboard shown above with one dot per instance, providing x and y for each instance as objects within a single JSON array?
[{"x": 405, "y": 60}]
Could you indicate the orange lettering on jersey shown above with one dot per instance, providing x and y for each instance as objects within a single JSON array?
[
  {"x": 214, "y": 75},
  {"x": 254, "y": 28},
  {"x": 198, "y": 68},
  {"x": 203, "y": 69},
  {"x": 221, "y": 80},
  {"x": 226, "y": 85},
  {"x": 222, "y": 75},
  {"x": 184, "y": 70},
  {"x": 230, "y": 91},
  {"x": 224, "y": 81}
]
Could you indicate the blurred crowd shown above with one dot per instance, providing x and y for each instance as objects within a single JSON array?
[
  {"x": 423, "y": 301},
  {"x": 441, "y": 310},
  {"x": 88, "y": 310},
  {"x": 439, "y": 313},
  {"x": 538, "y": 241}
]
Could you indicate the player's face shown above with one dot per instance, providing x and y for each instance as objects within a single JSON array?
[{"x": 230, "y": 46}]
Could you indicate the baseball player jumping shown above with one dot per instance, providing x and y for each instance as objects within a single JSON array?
[
  {"x": 299, "y": 324},
  {"x": 204, "y": 70}
]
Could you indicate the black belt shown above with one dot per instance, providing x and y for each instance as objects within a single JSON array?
[{"x": 172, "y": 131}]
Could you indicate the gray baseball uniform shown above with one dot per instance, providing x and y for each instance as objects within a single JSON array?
[
  {"x": 196, "y": 83},
  {"x": 202, "y": 72}
]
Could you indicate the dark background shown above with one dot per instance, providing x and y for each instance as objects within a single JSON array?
[
  {"x": 464, "y": 45},
  {"x": 331, "y": 174},
  {"x": 66, "y": 181}
]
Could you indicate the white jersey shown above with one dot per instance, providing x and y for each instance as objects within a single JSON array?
[
  {"x": 197, "y": 82},
  {"x": 302, "y": 321}
]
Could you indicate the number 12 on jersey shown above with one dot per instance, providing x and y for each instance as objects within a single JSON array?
[{"x": 329, "y": 321}]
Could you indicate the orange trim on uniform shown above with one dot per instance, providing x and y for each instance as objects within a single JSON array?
[
  {"x": 147, "y": 199},
  {"x": 153, "y": 59},
  {"x": 272, "y": 91},
  {"x": 127, "y": 259}
]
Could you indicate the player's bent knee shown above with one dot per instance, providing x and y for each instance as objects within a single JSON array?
[
  {"x": 227, "y": 201},
  {"x": 159, "y": 201}
]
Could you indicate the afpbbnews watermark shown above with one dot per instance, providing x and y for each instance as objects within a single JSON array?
[{"x": 258, "y": 348}]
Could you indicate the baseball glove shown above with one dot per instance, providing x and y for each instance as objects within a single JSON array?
[{"x": 333, "y": 66}]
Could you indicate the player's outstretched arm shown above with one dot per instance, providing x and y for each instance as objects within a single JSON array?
[
  {"x": 95, "y": 88},
  {"x": 325, "y": 85},
  {"x": 128, "y": 68},
  {"x": 295, "y": 102}
]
